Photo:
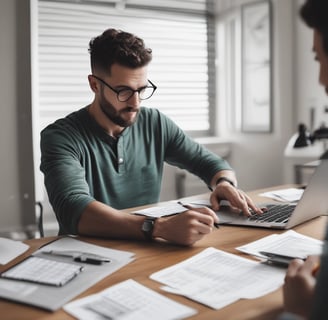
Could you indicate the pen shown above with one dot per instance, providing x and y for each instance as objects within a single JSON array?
[
  {"x": 279, "y": 258},
  {"x": 285, "y": 260},
  {"x": 83, "y": 257},
  {"x": 188, "y": 206}
]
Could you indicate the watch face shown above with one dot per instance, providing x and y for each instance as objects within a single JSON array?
[{"x": 147, "y": 227}]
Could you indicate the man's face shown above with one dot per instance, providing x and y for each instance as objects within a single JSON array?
[
  {"x": 322, "y": 57},
  {"x": 123, "y": 114}
]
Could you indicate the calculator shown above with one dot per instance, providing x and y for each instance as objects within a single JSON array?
[{"x": 43, "y": 271}]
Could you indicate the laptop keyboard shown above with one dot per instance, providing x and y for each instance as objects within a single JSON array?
[{"x": 276, "y": 213}]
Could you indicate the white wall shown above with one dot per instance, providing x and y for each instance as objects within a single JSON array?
[
  {"x": 9, "y": 194},
  {"x": 258, "y": 158},
  {"x": 16, "y": 189}
]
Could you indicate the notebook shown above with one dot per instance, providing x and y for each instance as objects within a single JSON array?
[
  {"x": 312, "y": 204},
  {"x": 43, "y": 271}
]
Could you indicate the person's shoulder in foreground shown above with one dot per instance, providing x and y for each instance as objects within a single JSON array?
[{"x": 305, "y": 290}]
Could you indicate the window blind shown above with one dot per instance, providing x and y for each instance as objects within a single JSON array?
[{"x": 180, "y": 34}]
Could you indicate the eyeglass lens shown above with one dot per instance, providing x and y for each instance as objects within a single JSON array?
[{"x": 144, "y": 93}]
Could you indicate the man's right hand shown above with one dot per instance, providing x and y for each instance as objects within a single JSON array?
[{"x": 187, "y": 227}]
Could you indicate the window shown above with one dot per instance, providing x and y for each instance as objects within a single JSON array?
[
  {"x": 181, "y": 34},
  {"x": 229, "y": 70},
  {"x": 244, "y": 53}
]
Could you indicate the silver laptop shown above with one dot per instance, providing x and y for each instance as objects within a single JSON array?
[{"x": 313, "y": 203}]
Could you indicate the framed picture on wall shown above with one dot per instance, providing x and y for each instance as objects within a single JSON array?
[{"x": 256, "y": 67}]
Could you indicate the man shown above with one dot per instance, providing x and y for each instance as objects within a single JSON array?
[
  {"x": 109, "y": 155},
  {"x": 305, "y": 289}
]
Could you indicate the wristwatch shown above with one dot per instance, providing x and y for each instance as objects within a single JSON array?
[
  {"x": 218, "y": 181},
  {"x": 148, "y": 227}
]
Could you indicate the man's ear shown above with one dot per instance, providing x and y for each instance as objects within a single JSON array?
[{"x": 93, "y": 83}]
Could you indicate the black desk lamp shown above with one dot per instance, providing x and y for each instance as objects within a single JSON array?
[{"x": 304, "y": 138}]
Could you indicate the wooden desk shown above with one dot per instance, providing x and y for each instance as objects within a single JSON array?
[{"x": 151, "y": 257}]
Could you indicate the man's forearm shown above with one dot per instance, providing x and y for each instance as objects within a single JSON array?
[{"x": 101, "y": 220}]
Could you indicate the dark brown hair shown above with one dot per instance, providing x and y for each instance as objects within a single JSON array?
[
  {"x": 315, "y": 15},
  {"x": 116, "y": 46}
]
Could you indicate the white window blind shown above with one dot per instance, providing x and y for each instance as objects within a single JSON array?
[{"x": 180, "y": 34}]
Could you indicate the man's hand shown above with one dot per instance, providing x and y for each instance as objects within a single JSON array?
[
  {"x": 187, "y": 227},
  {"x": 299, "y": 286},
  {"x": 237, "y": 198}
]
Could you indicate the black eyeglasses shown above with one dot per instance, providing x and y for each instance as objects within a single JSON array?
[{"x": 125, "y": 94}]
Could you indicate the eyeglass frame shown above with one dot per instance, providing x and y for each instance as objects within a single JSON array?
[{"x": 153, "y": 86}]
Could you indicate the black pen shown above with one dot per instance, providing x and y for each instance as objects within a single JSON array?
[
  {"x": 280, "y": 259},
  {"x": 188, "y": 206},
  {"x": 83, "y": 257}
]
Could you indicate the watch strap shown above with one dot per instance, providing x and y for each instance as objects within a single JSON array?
[{"x": 221, "y": 179}]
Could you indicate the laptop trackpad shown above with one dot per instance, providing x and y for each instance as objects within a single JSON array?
[{"x": 226, "y": 215}]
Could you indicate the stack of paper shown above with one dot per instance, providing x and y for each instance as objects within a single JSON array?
[
  {"x": 289, "y": 243},
  {"x": 161, "y": 211},
  {"x": 216, "y": 278},
  {"x": 284, "y": 195},
  {"x": 10, "y": 249}
]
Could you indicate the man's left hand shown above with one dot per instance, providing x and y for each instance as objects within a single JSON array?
[{"x": 238, "y": 199}]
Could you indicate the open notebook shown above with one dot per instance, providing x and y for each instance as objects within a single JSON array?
[{"x": 313, "y": 203}]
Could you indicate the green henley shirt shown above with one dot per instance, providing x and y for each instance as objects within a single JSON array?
[{"x": 82, "y": 163}]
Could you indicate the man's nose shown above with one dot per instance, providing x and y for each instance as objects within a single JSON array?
[{"x": 135, "y": 99}]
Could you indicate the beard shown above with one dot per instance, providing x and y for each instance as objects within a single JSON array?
[{"x": 115, "y": 116}]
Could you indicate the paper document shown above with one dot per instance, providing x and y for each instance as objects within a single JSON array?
[
  {"x": 10, "y": 249},
  {"x": 161, "y": 211},
  {"x": 289, "y": 243},
  {"x": 216, "y": 278},
  {"x": 284, "y": 195},
  {"x": 128, "y": 300}
]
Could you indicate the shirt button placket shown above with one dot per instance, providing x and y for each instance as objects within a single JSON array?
[{"x": 120, "y": 156}]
